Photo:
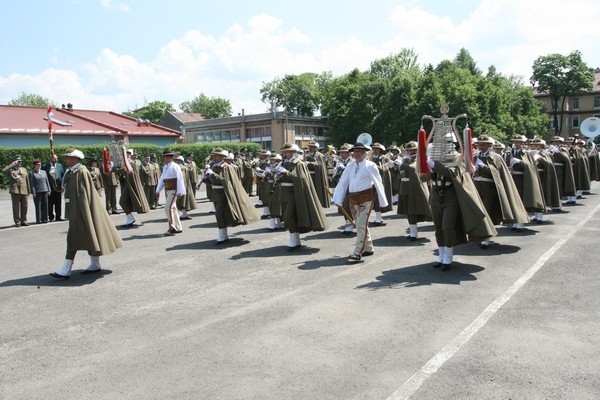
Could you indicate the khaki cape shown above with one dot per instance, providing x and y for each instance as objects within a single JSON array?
[{"x": 90, "y": 227}]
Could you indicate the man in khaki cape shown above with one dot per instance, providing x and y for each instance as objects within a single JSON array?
[
  {"x": 301, "y": 209},
  {"x": 496, "y": 187},
  {"x": 232, "y": 204},
  {"x": 90, "y": 227}
]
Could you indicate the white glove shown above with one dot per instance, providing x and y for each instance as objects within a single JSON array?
[
  {"x": 340, "y": 166},
  {"x": 209, "y": 171},
  {"x": 430, "y": 163},
  {"x": 479, "y": 163},
  {"x": 281, "y": 170},
  {"x": 390, "y": 164},
  {"x": 268, "y": 170},
  {"x": 258, "y": 170},
  {"x": 207, "y": 166},
  {"x": 514, "y": 161}
]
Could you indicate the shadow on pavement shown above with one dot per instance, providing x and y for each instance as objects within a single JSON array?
[
  {"x": 329, "y": 262},
  {"x": 149, "y": 236},
  {"x": 207, "y": 225},
  {"x": 399, "y": 241},
  {"x": 423, "y": 275},
  {"x": 278, "y": 251},
  {"x": 473, "y": 249},
  {"x": 209, "y": 245},
  {"x": 75, "y": 280}
]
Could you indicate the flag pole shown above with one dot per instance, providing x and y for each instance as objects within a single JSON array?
[{"x": 49, "y": 114}]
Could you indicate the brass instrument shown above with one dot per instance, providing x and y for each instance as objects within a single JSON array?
[{"x": 442, "y": 138}]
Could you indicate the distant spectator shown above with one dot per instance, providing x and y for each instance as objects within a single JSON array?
[
  {"x": 40, "y": 189},
  {"x": 55, "y": 173},
  {"x": 18, "y": 189}
]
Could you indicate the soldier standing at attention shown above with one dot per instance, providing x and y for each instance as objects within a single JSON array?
[
  {"x": 110, "y": 180},
  {"x": 90, "y": 226},
  {"x": 149, "y": 181},
  {"x": 19, "y": 190}
]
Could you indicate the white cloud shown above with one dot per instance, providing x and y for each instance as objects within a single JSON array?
[{"x": 112, "y": 5}]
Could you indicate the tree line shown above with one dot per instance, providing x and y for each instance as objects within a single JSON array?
[{"x": 390, "y": 97}]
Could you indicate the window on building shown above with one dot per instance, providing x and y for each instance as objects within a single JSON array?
[
  {"x": 575, "y": 121},
  {"x": 596, "y": 101},
  {"x": 576, "y": 103},
  {"x": 228, "y": 135}
]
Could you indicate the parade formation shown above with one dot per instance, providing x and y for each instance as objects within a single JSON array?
[{"x": 466, "y": 186}]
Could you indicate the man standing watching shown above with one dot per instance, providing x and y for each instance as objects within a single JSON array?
[
  {"x": 171, "y": 180},
  {"x": 358, "y": 179},
  {"x": 55, "y": 172},
  {"x": 90, "y": 226},
  {"x": 19, "y": 189}
]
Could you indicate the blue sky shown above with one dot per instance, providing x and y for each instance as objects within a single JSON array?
[{"x": 118, "y": 54}]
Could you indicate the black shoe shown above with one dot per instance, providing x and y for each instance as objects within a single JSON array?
[
  {"x": 90, "y": 271},
  {"x": 59, "y": 219},
  {"x": 177, "y": 231},
  {"x": 114, "y": 212},
  {"x": 539, "y": 221},
  {"x": 265, "y": 216},
  {"x": 293, "y": 248},
  {"x": 379, "y": 223},
  {"x": 185, "y": 218},
  {"x": 128, "y": 225},
  {"x": 354, "y": 258},
  {"x": 59, "y": 276},
  {"x": 518, "y": 230},
  {"x": 24, "y": 224},
  {"x": 50, "y": 219},
  {"x": 411, "y": 238},
  {"x": 445, "y": 267},
  {"x": 367, "y": 253},
  {"x": 221, "y": 242},
  {"x": 170, "y": 232},
  {"x": 437, "y": 265},
  {"x": 484, "y": 246}
]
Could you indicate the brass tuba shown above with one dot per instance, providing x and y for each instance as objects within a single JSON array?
[{"x": 442, "y": 138}]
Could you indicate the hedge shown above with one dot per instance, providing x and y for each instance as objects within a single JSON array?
[{"x": 200, "y": 151}]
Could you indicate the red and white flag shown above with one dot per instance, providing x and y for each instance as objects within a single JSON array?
[{"x": 50, "y": 114}]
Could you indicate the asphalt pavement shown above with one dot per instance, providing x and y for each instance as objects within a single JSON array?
[{"x": 180, "y": 318}]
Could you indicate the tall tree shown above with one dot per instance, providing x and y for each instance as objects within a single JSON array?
[
  {"x": 209, "y": 107},
  {"x": 152, "y": 112},
  {"x": 30, "y": 100},
  {"x": 561, "y": 77},
  {"x": 302, "y": 94}
]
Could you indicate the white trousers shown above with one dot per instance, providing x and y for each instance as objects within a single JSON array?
[{"x": 171, "y": 210}]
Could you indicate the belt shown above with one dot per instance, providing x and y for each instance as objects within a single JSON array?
[
  {"x": 559, "y": 164},
  {"x": 439, "y": 183},
  {"x": 482, "y": 179},
  {"x": 312, "y": 172},
  {"x": 517, "y": 172},
  {"x": 404, "y": 179},
  {"x": 217, "y": 187},
  {"x": 287, "y": 184},
  {"x": 270, "y": 180},
  {"x": 170, "y": 188},
  {"x": 540, "y": 170},
  {"x": 170, "y": 181}
]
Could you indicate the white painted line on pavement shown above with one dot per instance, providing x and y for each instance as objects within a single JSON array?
[{"x": 414, "y": 382}]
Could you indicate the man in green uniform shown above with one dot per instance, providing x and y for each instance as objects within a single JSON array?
[
  {"x": 317, "y": 168},
  {"x": 149, "y": 181},
  {"x": 90, "y": 226},
  {"x": 18, "y": 187}
]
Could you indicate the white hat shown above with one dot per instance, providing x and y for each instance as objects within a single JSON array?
[
  {"x": 180, "y": 158},
  {"x": 73, "y": 153},
  {"x": 230, "y": 155}
]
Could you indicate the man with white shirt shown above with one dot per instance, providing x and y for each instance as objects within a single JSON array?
[
  {"x": 171, "y": 180},
  {"x": 358, "y": 179}
]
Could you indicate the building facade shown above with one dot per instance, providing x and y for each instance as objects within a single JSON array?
[
  {"x": 270, "y": 130},
  {"x": 577, "y": 109}
]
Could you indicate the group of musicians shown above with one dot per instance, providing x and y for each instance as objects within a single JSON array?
[{"x": 502, "y": 184}]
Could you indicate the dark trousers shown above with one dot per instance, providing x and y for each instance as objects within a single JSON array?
[
  {"x": 40, "y": 202},
  {"x": 110, "y": 193},
  {"x": 55, "y": 205},
  {"x": 19, "y": 208}
]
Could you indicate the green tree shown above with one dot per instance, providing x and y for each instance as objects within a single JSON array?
[
  {"x": 153, "y": 112},
  {"x": 30, "y": 100},
  {"x": 561, "y": 77},
  {"x": 209, "y": 107},
  {"x": 302, "y": 94}
]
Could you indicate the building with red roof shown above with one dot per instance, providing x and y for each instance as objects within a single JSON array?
[{"x": 28, "y": 126}]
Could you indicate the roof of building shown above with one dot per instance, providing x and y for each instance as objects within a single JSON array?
[
  {"x": 187, "y": 117},
  {"x": 20, "y": 120}
]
